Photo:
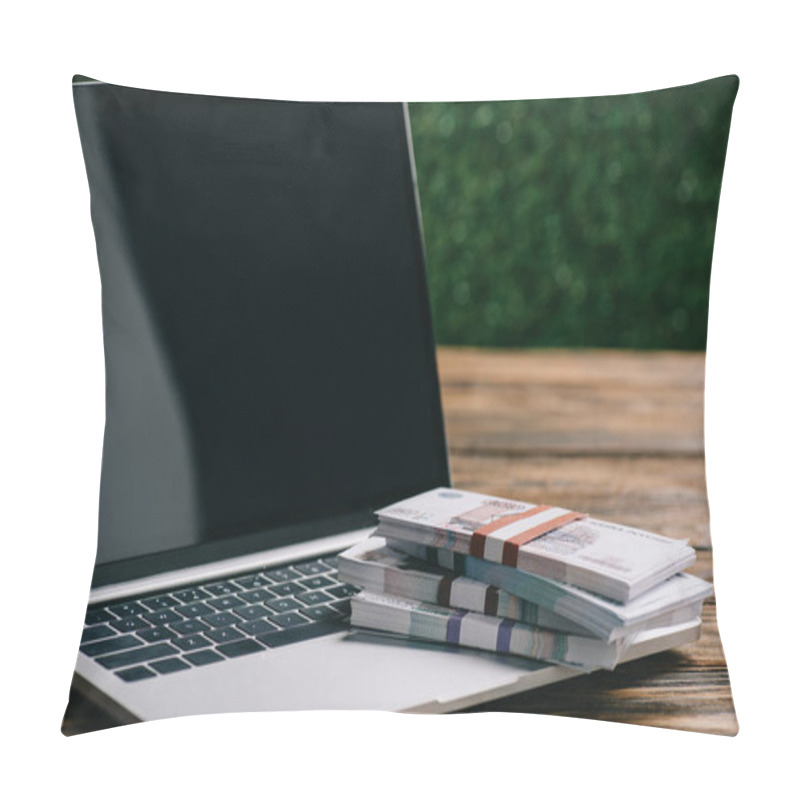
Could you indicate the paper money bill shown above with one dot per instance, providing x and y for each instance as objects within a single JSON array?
[
  {"x": 376, "y": 567},
  {"x": 666, "y": 603},
  {"x": 470, "y": 629},
  {"x": 612, "y": 560}
]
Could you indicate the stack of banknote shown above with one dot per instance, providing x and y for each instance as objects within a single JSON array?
[{"x": 547, "y": 583}]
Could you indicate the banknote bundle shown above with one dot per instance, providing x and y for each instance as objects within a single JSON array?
[
  {"x": 614, "y": 561},
  {"x": 423, "y": 576},
  {"x": 443, "y": 578},
  {"x": 469, "y": 629},
  {"x": 376, "y": 567}
]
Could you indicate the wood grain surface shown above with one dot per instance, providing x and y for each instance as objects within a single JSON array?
[{"x": 619, "y": 435}]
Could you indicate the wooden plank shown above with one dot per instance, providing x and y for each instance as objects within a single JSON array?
[
  {"x": 642, "y": 371},
  {"x": 609, "y": 402}
]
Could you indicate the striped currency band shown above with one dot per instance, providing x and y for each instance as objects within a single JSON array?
[
  {"x": 466, "y": 593},
  {"x": 474, "y": 631},
  {"x": 501, "y": 539}
]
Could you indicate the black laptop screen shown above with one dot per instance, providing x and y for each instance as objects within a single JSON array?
[{"x": 270, "y": 370}]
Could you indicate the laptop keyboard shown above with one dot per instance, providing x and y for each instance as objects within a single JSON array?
[{"x": 150, "y": 635}]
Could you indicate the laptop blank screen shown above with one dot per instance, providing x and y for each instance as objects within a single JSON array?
[{"x": 270, "y": 365}]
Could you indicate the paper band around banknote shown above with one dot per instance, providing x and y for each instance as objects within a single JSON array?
[
  {"x": 449, "y": 594},
  {"x": 487, "y": 634},
  {"x": 501, "y": 539}
]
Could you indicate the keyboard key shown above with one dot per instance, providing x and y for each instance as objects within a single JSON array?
[
  {"x": 162, "y": 601},
  {"x": 169, "y": 665},
  {"x": 221, "y": 588},
  {"x": 282, "y": 604},
  {"x": 109, "y": 645},
  {"x": 135, "y": 674},
  {"x": 342, "y": 606},
  {"x": 201, "y": 657},
  {"x": 94, "y": 616},
  {"x": 301, "y": 633},
  {"x": 257, "y": 596},
  {"x": 252, "y": 581},
  {"x": 97, "y": 632},
  {"x": 192, "y": 642},
  {"x": 314, "y": 598},
  {"x": 137, "y": 656},
  {"x": 284, "y": 589},
  {"x": 221, "y": 620},
  {"x": 162, "y": 617},
  {"x": 256, "y": 626},
  {"x": 317, "y": 582},
  {"x": 127, "y": 624},
  {"x": 283, "y": 574},
  {"x": 189, "y": 626},
  {"x": 127, "y": 609},
  {"x": 225, "y": 635},
  {"x": 191, "y": 595},
  {"x": 331, "y": 561},
  {"x": 321, "y": 612},
  {"x": 252, "y": 612},
  {"x": 155, "y": 634},
  {"x": 312, "y": 568},
  {"x": 289, "y": 620},
  {"x": 226, "y": 601},
  {"x": 342, "y": 590},
  {"x": 242, "y": 648},
  {"x": 194, "y": 610}
]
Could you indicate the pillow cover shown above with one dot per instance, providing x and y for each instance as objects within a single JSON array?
[{"x": 584, "y": 222}]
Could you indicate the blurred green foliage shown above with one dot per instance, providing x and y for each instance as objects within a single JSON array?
[{"x": 573, "y": 222}]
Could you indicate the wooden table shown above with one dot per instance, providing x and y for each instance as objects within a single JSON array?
[
  {"x": 619, "y": 435},
  {"x": 613, "y": 433}
]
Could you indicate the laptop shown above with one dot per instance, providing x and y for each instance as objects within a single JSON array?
[{"x": 271, "y": 381}]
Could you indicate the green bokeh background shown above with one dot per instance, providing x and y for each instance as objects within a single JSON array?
[{"x": 584, "y": 222}]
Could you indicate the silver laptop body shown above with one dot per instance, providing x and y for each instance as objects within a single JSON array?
[{"x": 348, "y": 670}]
